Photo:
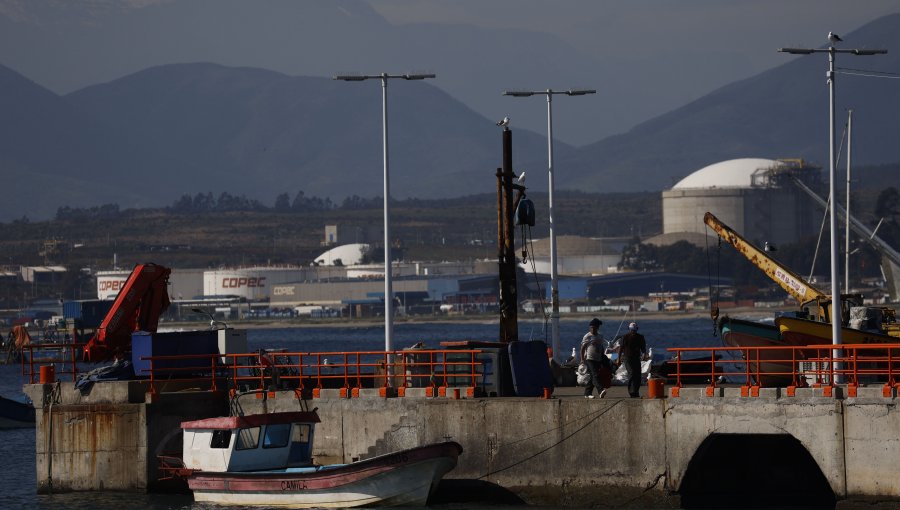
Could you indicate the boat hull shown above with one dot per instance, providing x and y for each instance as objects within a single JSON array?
[
  {"x": 404, "y": 478},
  {"x": 807, "y": 332},
  {"x": 767, "y": 366},
  {"x": 15, "y": 415}
]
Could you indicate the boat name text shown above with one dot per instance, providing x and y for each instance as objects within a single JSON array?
[{"x": 293, "y": 485}]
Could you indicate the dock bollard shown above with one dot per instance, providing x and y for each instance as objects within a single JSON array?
[
  {"x": 656, "y": 387},
  {"x": 48, "y": 374}
]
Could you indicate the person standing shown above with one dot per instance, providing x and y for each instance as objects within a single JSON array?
[
  {"x": 632, "y": 349},
  {"x": 593, "y": 349}
]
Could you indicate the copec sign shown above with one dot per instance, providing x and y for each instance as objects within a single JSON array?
[
  {"x": 109, "y": 286},
  {"x": 237, "y": 282},
  {"x": 247, "y": 283}
]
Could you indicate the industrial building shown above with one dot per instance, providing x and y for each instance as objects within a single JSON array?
[
  {"x": 757, "y": 197},
  {"x": 576, "y": 255}
]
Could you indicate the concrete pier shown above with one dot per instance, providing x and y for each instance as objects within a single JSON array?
[{"x": 566, "y": 450}]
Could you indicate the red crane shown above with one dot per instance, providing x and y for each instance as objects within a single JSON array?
[{"x": 138, "y": 306}]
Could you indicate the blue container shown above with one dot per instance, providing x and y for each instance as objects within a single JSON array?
[
  {"x": 87, "y": 314},
  {"x": 93, "y": 312},
  {"x": 72, "y": 310},
  {"x": 144, "y": 344}
]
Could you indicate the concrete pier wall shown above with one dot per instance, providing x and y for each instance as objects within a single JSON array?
[{"x": 554, "y": 451}]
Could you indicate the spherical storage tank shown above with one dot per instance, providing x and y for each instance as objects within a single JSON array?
[{"x": 755, "y": 196}]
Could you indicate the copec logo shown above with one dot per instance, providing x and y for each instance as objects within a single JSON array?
[
  {"x": 110, "y": 285},
  {"x": 240, "y": 282}
]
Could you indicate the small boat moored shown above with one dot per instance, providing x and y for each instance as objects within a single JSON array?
[
  {"x": 266, "y": 460},
  {"x": 15, "y": 414}
]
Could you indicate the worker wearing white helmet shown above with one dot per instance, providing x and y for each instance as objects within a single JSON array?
[{"x": 633, "y": 348}]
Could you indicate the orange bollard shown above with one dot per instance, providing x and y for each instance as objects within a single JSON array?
[
  {"x": 456, "y": 393},
  {"x": 547, "y": 393},
  {"x": 48, "y": 374},
  {"x": 656, "y": 388}
]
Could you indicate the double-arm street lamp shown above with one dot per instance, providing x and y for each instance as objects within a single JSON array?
[
  {"x": 835, "y": 276},
  {"x": 554, "y": 276},
  {"x": 388, "y": 290}
]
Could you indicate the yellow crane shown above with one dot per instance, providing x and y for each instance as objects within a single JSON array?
[{"x": 814, "y": 301}]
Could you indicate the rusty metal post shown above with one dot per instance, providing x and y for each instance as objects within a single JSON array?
[{"x": 509, "y": 299}]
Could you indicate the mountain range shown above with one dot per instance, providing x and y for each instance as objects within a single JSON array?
[{"x": 151, "y": 136}]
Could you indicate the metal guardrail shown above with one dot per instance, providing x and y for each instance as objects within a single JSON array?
[
  {"x": 62, "y": 355},
  {"x": 302, "y": 371},
  {"x": 791, "y": 367}
]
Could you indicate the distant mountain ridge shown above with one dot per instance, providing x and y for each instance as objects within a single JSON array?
[{"x": 147, "y": 138}]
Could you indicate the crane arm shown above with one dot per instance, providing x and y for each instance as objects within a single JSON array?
[
  {"x": 791, "y": 282},
  {"x": 138, "y": 306}
]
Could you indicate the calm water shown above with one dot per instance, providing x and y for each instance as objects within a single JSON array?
[{"x": 17, "y": 483}]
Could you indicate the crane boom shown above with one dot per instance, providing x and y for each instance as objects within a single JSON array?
[
  {"x": 138, "y": 306},
  {"x": 791, "y": 282}
]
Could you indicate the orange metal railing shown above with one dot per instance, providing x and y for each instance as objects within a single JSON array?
[
  {"x": 307, "y": 371},
  {"x": 63, "y": 357},
  {"x": 810, "y": 365}
]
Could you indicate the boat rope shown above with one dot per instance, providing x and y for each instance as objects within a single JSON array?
[
  {"x": 50, "y": 398},
  {"x": 529, "y": 241},
  {"x": 713, "y": 294},
  {"x": 593, "y": 417}
]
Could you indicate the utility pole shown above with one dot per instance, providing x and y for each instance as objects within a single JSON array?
[{"x": 506, "y": 246}]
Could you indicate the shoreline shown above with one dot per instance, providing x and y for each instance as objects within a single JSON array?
[{"x": 366, "y": 322}]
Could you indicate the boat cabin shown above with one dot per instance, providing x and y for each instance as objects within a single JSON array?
[{"x": 258, "y": 442}]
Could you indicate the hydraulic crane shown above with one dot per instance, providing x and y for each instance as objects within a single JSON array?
[{"x": 138, "y": 306}]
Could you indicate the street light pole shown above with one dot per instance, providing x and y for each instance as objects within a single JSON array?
[
  {"x": 554, "y": 275},
  {"x": 388, "y": 288},
  {"x": 835, "y": 275},
  {"x": 847, "y": 206}
]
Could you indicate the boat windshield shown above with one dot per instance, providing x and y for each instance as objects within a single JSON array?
[
  {"x": 247, "y": 438},
  {"x": 277, "y": 435}
]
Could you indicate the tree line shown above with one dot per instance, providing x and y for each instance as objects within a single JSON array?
[{"x": 226, "y": 202}]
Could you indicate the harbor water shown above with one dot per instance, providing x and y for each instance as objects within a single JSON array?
[{"x": 18, "y": 486}]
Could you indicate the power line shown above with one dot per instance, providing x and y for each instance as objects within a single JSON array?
[{"x": 867, "y": 73}]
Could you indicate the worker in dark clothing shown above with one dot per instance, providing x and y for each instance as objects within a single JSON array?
[{"x": 632, "y": 350}]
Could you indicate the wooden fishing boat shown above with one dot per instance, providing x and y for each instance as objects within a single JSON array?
[{"x": 266, "y": 460}]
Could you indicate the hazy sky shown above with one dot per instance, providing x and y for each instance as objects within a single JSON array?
[
  {"x": 693, "y": 36},
  {"x": 644, "y": 57}
]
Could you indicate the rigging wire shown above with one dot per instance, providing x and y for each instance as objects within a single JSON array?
[
  {"x": 827, "y": 207},
  {"x": 867, "y": 73},
  {"x": 713, "y": 306},
  {"x": 528, "y": 240}
]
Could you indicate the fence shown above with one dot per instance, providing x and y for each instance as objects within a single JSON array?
[
  {"x": 791, "y": 367},
  {"x": 315, "y": 371}
]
